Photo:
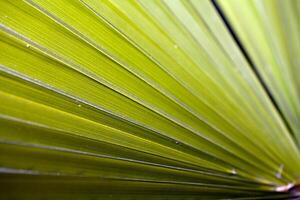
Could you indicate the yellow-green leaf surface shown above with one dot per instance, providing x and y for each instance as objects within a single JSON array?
[
  {"x": 275, "y": 26},
  {"x": 152, "y": 99}
]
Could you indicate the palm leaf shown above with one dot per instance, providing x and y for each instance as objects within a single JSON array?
[{"x": 149, "y": 99}]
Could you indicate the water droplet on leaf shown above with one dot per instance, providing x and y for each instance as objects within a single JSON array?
[{"x": 233, "y": 171}]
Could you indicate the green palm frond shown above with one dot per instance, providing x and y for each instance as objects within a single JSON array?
[{"x": 149, "y": 99}]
